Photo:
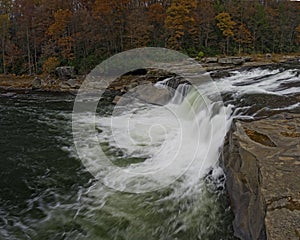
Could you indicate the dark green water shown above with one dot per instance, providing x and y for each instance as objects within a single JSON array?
[{"x": 46, "y": 193}]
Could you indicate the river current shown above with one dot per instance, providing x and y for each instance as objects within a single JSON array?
[{"x": 46, "y": 192}]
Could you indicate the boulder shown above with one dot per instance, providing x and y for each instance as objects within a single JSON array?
[
  {"x": 151, "y": 94},
  {"x": 211, "y": 60},
  {"x": 65, "y": 72},
  {"x": 262, "y": 164},
  {"x": 36, "y": 83},
  {"x": 247, "y": 58},
  {"x": 238, "y": 61},
  {"x": 225, "y": 61},
  {"x": 72, "y": 83},
  {"x": 268, "y": 56}
]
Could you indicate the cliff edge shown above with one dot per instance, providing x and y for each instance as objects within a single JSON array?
[{"x": 262, "y": 162}]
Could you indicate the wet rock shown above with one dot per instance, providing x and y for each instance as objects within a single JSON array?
[
  {"x": 262, "y": 164},
  {"x": 116, "y": 99},
  {"x": 150, "y": 94},
  {"x": 174, "y": 82},
  {"x": 36, "y": 84},
  {"x": 9, "y": 94},
  {"x": 220, "y": 74}
]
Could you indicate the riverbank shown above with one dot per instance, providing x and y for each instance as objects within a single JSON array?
[{"x": 217, "y": 66}]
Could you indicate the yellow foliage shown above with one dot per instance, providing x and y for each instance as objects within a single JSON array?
[
  {"x": 62, "y": 18},
  {"x": 225, "y": 24},
  {"x": 179, "y": 19},
  {"x": 50, "y": 64},
  {"x": 243, "y": 35},
  {"x": 298, "y": 33}
]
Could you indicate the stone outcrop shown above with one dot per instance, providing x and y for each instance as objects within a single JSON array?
[
  {"x": 231, "y": 60},
  {"x": 262, "y": 162},
  {"x": 36, "y": 83},
  {"x": 65, "y": 72}
]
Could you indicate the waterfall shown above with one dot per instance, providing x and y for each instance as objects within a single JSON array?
[
  {"x": 167, "y": 153},
  {"x": 179, "y": 140}
]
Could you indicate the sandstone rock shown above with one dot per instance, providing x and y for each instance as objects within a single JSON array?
[
  {"x": 116, "y": 99},
  {"x": 238, "y": 61},
  {"x": 150, "y": 94},
  {"x": 225, "y": 61},
  {"x": 262, "y": 162},
  {"x": 72, "y": 83},
  {"x": 211, "y": 60}
]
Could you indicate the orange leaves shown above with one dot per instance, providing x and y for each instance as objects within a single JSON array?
[
  {"x": 66, "y": 44},
  {"x": 60, "y": 33},
  {"x": 62, "y": 19},
  {"x": 50, "y": 64},
  {"x": 243, "y": 34},
  {"x": 102, "y": 7},
  {"x": 225, "y": 24},
  {"x": 156, "y": 13}
]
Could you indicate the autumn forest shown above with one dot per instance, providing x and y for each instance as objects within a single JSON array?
[{"x": 38, "y": 35}]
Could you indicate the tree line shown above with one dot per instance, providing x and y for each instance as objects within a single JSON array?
[{"x": 38, "y": 35}]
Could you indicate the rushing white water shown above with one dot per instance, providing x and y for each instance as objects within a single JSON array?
[
  {"x": 176, "y": 146},
  {"x": 180, "y": 139},
  {"x": 175, "y": 140},
  {"x": 261, "y": 81},
  {"x": 163, "y": 153}
]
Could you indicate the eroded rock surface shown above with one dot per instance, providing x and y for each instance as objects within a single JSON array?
[{"x": 262, "y": 161}]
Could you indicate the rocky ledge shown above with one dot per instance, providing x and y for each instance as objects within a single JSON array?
[{"x": 262, "y": 163}]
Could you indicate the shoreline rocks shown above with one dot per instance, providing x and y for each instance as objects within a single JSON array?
[{"x": 67, "y": 81}]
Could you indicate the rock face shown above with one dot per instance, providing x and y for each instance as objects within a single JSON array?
[{"x": 262, "y": 162}]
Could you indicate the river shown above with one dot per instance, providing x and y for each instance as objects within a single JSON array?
[{"x": 48, "y": 193}]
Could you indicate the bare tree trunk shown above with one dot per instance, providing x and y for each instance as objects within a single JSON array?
[
  {"x": 3, "y": 47},
  {"x": 227, "y": 45},
  {"x": 35, "y": 54},
  {"x": 28, "y": 52}
]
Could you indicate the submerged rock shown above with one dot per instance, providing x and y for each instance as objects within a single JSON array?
[{"x": 262, "y": 163}]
